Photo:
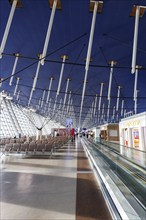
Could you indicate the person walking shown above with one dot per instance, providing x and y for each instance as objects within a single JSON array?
[{"x": 72, "y": 133}]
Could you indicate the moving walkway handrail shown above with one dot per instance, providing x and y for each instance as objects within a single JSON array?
[
  {"x": 105, "y": 143},
  {"x": 133, "y": 177}
]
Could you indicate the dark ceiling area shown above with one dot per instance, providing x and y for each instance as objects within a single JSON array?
[{"x": 112, "y": 41}]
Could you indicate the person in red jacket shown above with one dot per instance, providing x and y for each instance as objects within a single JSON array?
[{"x": 72, "y": 134}]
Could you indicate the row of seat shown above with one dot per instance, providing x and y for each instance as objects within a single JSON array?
[
  {"x": 35, "y": 146},
  {"x": 4, "y": 141}
]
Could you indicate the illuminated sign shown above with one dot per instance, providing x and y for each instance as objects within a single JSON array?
[{"x": 132, "y": 123}]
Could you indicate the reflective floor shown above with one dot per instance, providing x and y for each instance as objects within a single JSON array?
[{"x": 61, "y": 187}]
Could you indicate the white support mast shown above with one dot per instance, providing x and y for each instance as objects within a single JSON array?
[
  {"x": 118, "y": 95},
  {"x": 66, "y": 90},
  {"x": 49, "y": 89},
  {"x": 2, "y": 47},
  {"x": 112, "y": 63},
  {"x": 135, "y": 82},
  {"x": 135, "y": 102},
  {"x": 113, "y": 113},
  {"x": 108, "y": 110},
  {"x": 16, "y": 86},
  {"x": 68, "y": 104},
  {"x": 18, "y": 95},
  {"x": 64, "y": 57},
  {"x": 43, "y": 97},
  {"x": 95, "y": 104},
  {"x": 49, "y": 32},
  {"x": 122, "y": 107},
  {"x": 88, "y": 55},
  {"x": 100, "y": 97},
  {"x": 14, "y": 68},
  {"x": 35, "y": 80},
  {"x": 1, "y": 81},
  {"x": 135, "y": 39}
]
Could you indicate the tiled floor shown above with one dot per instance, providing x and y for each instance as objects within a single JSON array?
[{"x": 62, "y": 187}]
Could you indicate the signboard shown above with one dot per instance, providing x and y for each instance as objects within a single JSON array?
[{"x": 133, "y": 123}]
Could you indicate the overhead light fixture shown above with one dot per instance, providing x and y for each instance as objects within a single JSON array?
[
  {"x": 59, "y": 6},
  {"x": 19, "y": 3},
  {"x": 100, "y": 6},
  {"x": 141, "y": 13}
]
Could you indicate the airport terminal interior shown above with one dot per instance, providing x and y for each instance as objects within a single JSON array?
[{"x": 72, "y": 110}]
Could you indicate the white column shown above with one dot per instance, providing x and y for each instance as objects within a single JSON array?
[
  {"x": 49, "y": 32},
  {"x": 95, "y": 104},
  {"x": 135, "y": 39},
  {"x": 124, "y": 113},
  {"x": 66, "y": 90},
  {"x": 50, "y": 85},
  {"x": 92, "y": 108},
  {"x": 36, "y": 74},
  {"x": 1, "y": 81},
  {"x": 108, "y": 110},
  {"x": 55, "y": 105},
  {"x": 69, "y": 98},
  {"x": 135, "y": 103},
  {"x": 113, "y": 112},
  {"x": 117, "y": 118},
  {"x": 35, "y": 80},
  {"x": 101, "y": 89},
  {"x": 118, "y": 95},
  {"x": 60, "y": 104},
  {"x": 122, "y": 107},
  {"x": 102, "y": 111},
  {"x": 110, "y": 80},
  {"x": 49, "y": 104},
  {"x": 14, "y": 68},
  {"x": 16, "y": 87},
  {"x": 2, "y": 47},
  {"x": 30, "y": 97},
  {"x": 43, "y": 97},
  {"x": 88, "y": 55},
  {"x": 39, "y": 103},
  {"x": 18, "y": 94},
  {"x": 61, "y": 75},
  {"x": 135, "y": 84},
  {"x": 70, "y": 107}
]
